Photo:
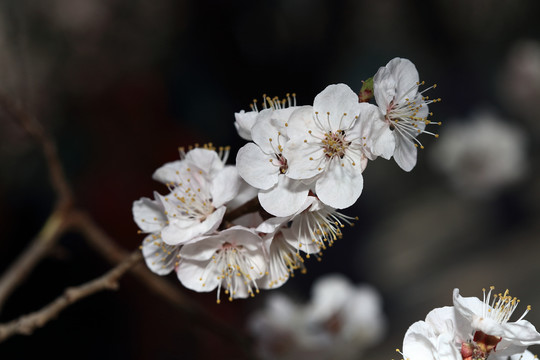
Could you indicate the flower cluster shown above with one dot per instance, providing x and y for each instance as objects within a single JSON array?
[
  {"x": 239, "y": 228},
  {"x": 340, "y": 321},
  {"x": 472, "y": 329}
]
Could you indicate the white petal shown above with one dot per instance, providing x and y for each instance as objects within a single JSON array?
[
  {"x": 405, "y": 152},
  {"x": 206, "y": 160},
  {"x": 305, "y": 160},
  {"x": 442, "y": 320},
  {"x": 284, "y": 199},
  {"x": 406, "y": 77},
  {"x": 384, "y": 88},
  {"x": 225, "y": 186},
  {"x": 300, "y": 122},
  {"x": 373, "y": 133},
  {"x": 182, "y": 231},
  {"x": 195, "y": 276},
  {"x": 336, "y": 107},
  {"x": 255, "y": 167},
  {"x": 244, "y": 122},
  {"x": 168, "y": 172},
  {"x": 148, "y": 214},
  {"x": 271, "y": 125},
  {"x": 159, "y": 257},
  {"x": 201, "y": 250},
  {"x": 246, "y": 192},
  {"x": 340, "y": 186},
  {"x": 418, "y": 342}
]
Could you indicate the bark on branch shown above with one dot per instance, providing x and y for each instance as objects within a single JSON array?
[{"x": 26, "y": 324}]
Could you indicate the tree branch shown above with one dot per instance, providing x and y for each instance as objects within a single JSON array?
[
  {"x": 36, "y": 250},
  {"x": 56, "y": 171},
  {"x": 26, "y": 324},
  {"x": 107, "y": 247}
]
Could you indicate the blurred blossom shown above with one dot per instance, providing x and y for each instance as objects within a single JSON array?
[
  {"x": 482, "y": 155},
  {"x": 520, "y": 80},
  {"x": 340, "y": 321}
]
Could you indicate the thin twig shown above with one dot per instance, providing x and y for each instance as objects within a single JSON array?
[
  {"x": 56, "y": 171},
  {"x": 55, "y": 225},
  {"x": 36, "y": 250},
  {"x": 26, "y": 324},
  {"x": 109, "y": 249}
]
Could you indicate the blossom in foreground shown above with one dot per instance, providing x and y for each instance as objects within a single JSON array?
[
  {"x": 200, "y": 186},
  {"x": 472, "y": 329},
  {"x": 233, "y": 259},
  {"x": 262, "y": 164},
  {"x": 481, "y": 156},
  {"x": 326, "y": 144},
  {"x": 149, "y": 216},
  {"x": 339, "y": 322},
  {"x": 404, "y": 107}
]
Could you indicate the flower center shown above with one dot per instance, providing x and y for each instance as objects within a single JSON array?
[
  {"x": 190, "y": 196},
  {"x": 236, "y": 271},
  {"x": 481, "y": 346},
  {"x": 335, "y": 144}
]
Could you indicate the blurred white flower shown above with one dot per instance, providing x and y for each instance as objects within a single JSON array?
[
  {"x": 339, "y": 322},
  {"x": 405, "y": 109},
  {"x": 481, "y": 156}
]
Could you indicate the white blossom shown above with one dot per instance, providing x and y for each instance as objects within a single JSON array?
[
  {"x": 339, "y": 322},
  {"x": 482, "y": 155},
  {"x": 471, "y": 329},
  {"x": 200, "y": 186},
  {"x": 327, "y": 141},
  {"x": 262, "y": 164},
  {"x": 405, "y": 109},
  {"x": 232, "y": 259}
]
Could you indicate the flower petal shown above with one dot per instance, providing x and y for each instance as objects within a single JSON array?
[
  {"x": 336, "y": 107},
  {"x": 405, "y": 152},
  {"x": 284, "y": 199},
  {"x": 225, "y": 186},
  {"x": 182, "y": 231},
  {"x": 340, "y": 186},
  {"x": 148, "y": 214},
  {"x": 258, "y": 169},
  {"x": 160, "y": 258},
  {"x": 244, "y": 122},
  {"x": 195, "y": 276}
]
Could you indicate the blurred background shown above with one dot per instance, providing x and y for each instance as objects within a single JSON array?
[{"x": 121, "y": 84}]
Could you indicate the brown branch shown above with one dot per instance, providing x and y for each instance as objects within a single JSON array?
[
  {"x": 25, "y": 325},
  {"x": 56, "y": 224},
  {"x": 56, "y": 171},
  {"x": 107, "y": 247},
  {"x": 36, "y": 250}
]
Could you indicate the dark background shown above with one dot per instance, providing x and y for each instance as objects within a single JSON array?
[{"x": 121, "y": 84}]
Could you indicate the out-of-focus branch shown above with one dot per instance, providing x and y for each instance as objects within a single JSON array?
[
  {"x": 38, "y": 248},
  {"x": 55, "y": 225},
  {"x": 28, "y": 323},
  {"x": 56, "y": 172}
]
